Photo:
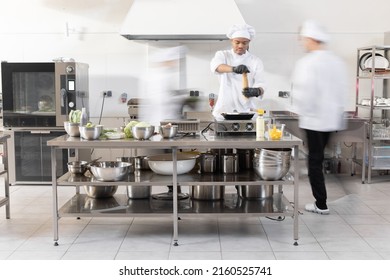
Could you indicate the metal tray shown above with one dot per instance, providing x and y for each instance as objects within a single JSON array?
[{"x": 238, "y": 116}]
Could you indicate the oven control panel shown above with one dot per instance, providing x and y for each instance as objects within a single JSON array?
[{"x": 235, "y": 126}]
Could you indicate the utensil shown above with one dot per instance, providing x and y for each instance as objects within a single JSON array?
[
  {"x": 110, "y": 170},
  {"x": 72, "y": 129},
  {"x": 237, "y": 116},
  {"x": 163, "y": 164},
  {"x": 100, "y": 191},
  {"x": 142, "y": 132},
  {"x": 77, "y": 167},
  {"x": 168, "y": 131},
  {"x": 91, "y": 133},
  {"x": 272, "y": 164},
  {"x": 230, "y": 163},
  {"x": 245, "y": 80}
]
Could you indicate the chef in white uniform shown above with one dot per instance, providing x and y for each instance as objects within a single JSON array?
[
  {"x": 319, "y": 92},
  {"x": 230, "y": 65}
]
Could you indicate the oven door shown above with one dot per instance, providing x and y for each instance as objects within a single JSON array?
[
  {"x": 28, "y": 94},
  {"x": 30, "y": 157}
]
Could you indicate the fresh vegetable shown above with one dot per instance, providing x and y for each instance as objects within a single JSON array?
[
  {"x": 143, "y": 124},
  {"x": 89, "y": 124},
  {"x": 128, "y": 128},
  {"x": 74, "y": 116}
]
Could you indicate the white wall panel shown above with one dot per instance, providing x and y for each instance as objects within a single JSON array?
[{"x": 34, "y": 30}]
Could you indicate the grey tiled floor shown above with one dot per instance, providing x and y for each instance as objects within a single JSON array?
[{"x": 358, "y": 228}]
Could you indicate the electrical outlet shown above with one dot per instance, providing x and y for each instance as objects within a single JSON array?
[{"x": 107, "y": 93}]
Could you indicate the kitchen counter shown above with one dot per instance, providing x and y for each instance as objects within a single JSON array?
[
  {"x": 282, "y": 207},
  {"x": 353, "y": 134}
]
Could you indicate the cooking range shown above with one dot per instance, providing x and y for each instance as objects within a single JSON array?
[{"x": 234, "y": 126}]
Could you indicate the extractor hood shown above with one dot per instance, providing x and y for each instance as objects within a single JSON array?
[{"x": 180, "y": 19}]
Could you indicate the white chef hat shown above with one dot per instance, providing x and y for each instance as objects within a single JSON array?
[
  {"x": 241, "y": 31},
  {"x": 314, "y": 30}
]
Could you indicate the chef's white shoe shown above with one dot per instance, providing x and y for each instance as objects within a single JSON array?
[{"x": 312, "y": 207}]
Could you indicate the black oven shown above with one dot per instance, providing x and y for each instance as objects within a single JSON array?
[
  {"x": 41, "y": 94},
  {"x": 37, "y": 98}
]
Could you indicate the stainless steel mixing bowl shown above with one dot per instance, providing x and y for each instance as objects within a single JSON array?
[
  {"x": 72, "y": 129},
  {"x": 100, "y": 191},
  {"x": 142, "y": 133},
  {"x": 272, "y": 164},
  {"x": 110, "y": 170},
  {"x": 77, "y": 167},
  {"x": 168, "y": 131},
  {"x": 91, "y": 133}
]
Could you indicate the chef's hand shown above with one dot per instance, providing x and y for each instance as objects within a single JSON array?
[
  {"x": 251, "y": 92},
  {"x": 240, "y": 69}
]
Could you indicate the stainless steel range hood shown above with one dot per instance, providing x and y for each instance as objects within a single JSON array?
[{"x": 180, "y": 19}]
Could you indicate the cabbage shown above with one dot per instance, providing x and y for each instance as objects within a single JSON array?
[
  {"x": 128, "y": 127},
  {"x": 74, "y": 116},
  {"x": 143, "y": 124}
]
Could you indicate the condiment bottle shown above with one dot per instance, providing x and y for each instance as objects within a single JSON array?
[
  {"x": 83, "y": 117},
  {"x": 260, "y": 125}
]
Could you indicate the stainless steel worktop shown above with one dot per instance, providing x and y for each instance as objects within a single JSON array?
[{"x": 205, "y": 141}]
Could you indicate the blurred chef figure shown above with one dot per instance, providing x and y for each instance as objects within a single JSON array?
[
  {"x": 230, "y": 65},
  {"x": 319, "y": 94},
  {"x": 163, "y": 99}
]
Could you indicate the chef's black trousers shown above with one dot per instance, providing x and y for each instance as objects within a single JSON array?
[{"x": 317, "y": 141}]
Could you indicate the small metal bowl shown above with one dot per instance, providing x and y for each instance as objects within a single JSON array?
[
  {"x": 168, "y": 131},
  {"x": 72, "y": 129},
  {"x": 91, "y": 133},
  {"x": 77, "y": 167},
  {"x": 142, "y": 133}
]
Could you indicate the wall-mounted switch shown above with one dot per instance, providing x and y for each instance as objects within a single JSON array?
[{"x": 284, "y": 94}]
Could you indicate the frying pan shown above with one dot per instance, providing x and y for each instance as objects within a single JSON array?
[{"x": 237, "y": 116}]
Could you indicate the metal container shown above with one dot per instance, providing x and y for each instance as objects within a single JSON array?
[
  {"x": 141, "y": 163},
  {"x": 168, "y": 131},
  {"x": 77, "y": 167},
  {"x": 207, "y": 192},
  {"x": 257, "y": 192},
  {"x": 230, "y": 163},
  {"x": 142, "y": 132},
  {"x": 208, "y": 163},
  {"x": 72, "y": 129},
  {"x": 110, "y": 170},
  {"x": 272, "y": 164},
  {"x": 139, "y": 192},
  {"x": 100, "y": 191},
  {"x": 129, "y": 160},
  {"x": 91, "y": 133},
  {"x": 245, "y": 158}
]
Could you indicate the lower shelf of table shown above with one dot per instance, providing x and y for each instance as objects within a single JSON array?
[{"x": 119, "y": 205}]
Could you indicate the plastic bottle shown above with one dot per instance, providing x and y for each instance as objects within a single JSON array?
[
  {"x": 260, "y": 125},
  {"x": 83, "y": 117}
]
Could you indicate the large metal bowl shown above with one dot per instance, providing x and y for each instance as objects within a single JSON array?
[
  {"x": 110, "y": 170},
  {"x": 142, "y": 133},
  {"x": 72, "y": 129},
  {"x": 77, "y": 167},
  {"x": 163, "y": 164},
  {"x": 100, "y": 191},
  {"x": 91, "y": 133},
  {"x": 272, "y": 164}
]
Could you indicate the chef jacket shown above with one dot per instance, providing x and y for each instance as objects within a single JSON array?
[
  {"x": 319, "y": 91},
  {"x": 230, "y": 95}
]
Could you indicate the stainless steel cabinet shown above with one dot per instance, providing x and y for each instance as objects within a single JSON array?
[
  {"x": 79, "y": 205},
  {"x": 373, "y": 99}
]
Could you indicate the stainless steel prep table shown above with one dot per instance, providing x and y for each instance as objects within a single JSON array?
[{"x": 201, "y": 142}]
